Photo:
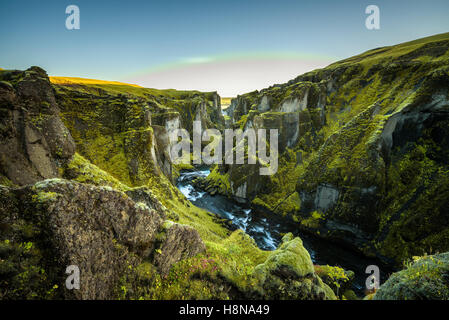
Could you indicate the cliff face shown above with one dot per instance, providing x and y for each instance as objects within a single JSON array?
[
  {"x": 363, "y": 149},
  {"x": 86, "y": 182},
  {"x": 125, "y": 131},
  {"x": 34, "y": 141}
]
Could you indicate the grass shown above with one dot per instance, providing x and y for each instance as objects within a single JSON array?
[
  {"x": 392, "y": 52},
  {"x": 225, "y": 102},
  {"x": 84, "y": 81},
  {"x": 114, "y": 87}
]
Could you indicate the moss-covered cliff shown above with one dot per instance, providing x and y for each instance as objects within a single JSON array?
[{"x": 363, "y": 149}]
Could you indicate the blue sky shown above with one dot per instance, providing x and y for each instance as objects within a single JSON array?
[{"x": 204, "y": 44}]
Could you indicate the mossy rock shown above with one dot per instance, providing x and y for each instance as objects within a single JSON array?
[
  {"x": 290, "y": 260},
  {"x": 288, "y": 273},
  {"x": 427, "y": 278}
]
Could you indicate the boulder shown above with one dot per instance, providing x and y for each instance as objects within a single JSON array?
[
  {"x": 288, "y": 273},
  {"x": 177, "y": 242},
  {"x": 100, "y": 230},
  {"x": 427, "y": 278}
]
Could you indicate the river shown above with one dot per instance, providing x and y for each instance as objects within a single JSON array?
[{"x": 267, "y": 230}]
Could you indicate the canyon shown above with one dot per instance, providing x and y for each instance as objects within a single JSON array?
[{"x": 87, "y": 179}]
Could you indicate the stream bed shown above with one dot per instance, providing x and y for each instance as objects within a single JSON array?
[{"x": 267, "y": 230}]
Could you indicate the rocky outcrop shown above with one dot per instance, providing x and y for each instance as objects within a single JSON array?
[
  {"x": 288, "y": 273},
  {"x": 34, "y": 141},
  {"x": 100, "y": 230},
  {"x": 177, "y": 242},
  {"x": 427, "y": 278},
  {"x": 287, "y": 124}
]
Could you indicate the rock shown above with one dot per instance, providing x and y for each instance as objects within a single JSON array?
[
  {"x": 326, "y": 197},
  {"x": 287, "y": 124},
  {"x": 245, "y": 181},
  {"x": 146, "y": 196},
  {"x": 58, "y": 138},
  {"x": 34, "y": 142},
  {"x": 427, "y": 278},
  {"x": 288, "y": 273},
  {"x": 177, "y": 242},
  {"x": 98, "y": 229},
  {"x": 369, "y": 297},
  {"x": 7, "y": 95},
  {"x": 127, "y": 135},
  {"x": 264, "y": 104},
  {"x": 163, "y": 150}
]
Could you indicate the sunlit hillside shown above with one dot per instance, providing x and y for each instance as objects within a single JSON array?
[{"x": 73, "y": 80}]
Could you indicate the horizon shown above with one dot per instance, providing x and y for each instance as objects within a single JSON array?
[{"x": 204, "y": 46}]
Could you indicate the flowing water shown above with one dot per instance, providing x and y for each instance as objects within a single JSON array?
[{"x": 267, "y": 230}]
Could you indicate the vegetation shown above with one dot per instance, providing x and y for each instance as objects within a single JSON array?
[{"x": 424, "y": 278}]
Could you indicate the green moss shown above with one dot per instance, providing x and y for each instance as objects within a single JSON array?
[
  {"x": 291, "y": 257},
  {"x": 43, "y": 197},
  {"x": 423, "y": 279},
  {"x": 242, "y": 122},
  {"x": 291, "y": 204},
  {"x": 219, "y": 180},
  {"x": 6, "y": 182},
  {"x": 81, "y": 170},
  {"x": 313, "y": 221},
  {"x": 23, "y": 271},
  {"x": 337, "y": 278},
  {"x": 338, "y": 145},
  {"x": 194, "y": 278},
  {"x": 350, "y": 295},
  {"x": 417, "y": 185},
  {"x": 227, "y": 265},
  {"x": 279, "y": 194},
  {"x": 288, "y": 273}
]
